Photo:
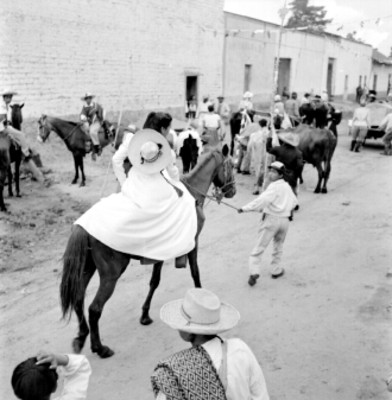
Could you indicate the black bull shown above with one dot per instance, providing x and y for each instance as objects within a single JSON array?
[{"x": 317, "y": 146}]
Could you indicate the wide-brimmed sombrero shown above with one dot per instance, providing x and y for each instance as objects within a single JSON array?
[
  {"x": 8, "y": 92},
  {"x": 149, "y": 151},
  {"x": 247, "y": 95},
  {"x": 289, "y": 138},
  {"x": 88, "y": 94},
  {"x": 200, "y": 312}
]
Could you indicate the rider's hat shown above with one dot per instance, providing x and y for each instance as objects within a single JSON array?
[
  {"x": 149, "y": 151},
  {"x": 88, "y": 94},
  {"x": 8, "y": 92}
]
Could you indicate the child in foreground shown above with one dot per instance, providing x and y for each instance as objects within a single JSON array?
[{"x": 36, "y": 378}]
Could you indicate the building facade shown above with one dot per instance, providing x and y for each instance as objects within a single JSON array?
[
  {"x": 308, "y": 62},
  {"x": 381, "y": 80},
  {"x": 133, "y": 55}
]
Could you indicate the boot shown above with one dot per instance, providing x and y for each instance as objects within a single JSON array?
[
  {"x": 357, "y": 147},
  {"x": 353, "y": 142},
  {"x": 97, "y": 149}
]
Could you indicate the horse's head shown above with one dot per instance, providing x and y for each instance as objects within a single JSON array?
[
  {"x": 224, "y": 177},
  {"x": 43, "y": 128},
  {"x": 16, "y": 115}
]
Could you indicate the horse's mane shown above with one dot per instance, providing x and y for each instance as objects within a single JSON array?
[{"x": 73, "y": 123}]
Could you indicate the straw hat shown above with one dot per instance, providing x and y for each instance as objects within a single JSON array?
[
  {"x": 200, "y": 312},
  {"x": 131, "y": 128},
  {"x": 149, "y": 151},
  {"x": 247, "y": 95},
  {"x": 8, "y": 92},
  {"x": 289, "y": 138},
  {"x": 88, "y": 94},
  {"x": 277, "y": 98},
  {"x": 277, "y": 166}
]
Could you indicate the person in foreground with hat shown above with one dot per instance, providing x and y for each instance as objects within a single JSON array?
[
  {"x": 213, "y": 368},
  {"x": 36, "y": 378},
  {"x": 276, "y": 203},
  {"x": 288, "y": 154},
  {"x": 154, "y": 216},
  {"x": 92, "y": 117}
]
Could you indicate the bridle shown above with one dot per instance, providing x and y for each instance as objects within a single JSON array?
[{"x": 47, "y": 130}]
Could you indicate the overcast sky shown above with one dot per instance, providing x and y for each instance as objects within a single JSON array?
[{"x": 346, "y": 13}]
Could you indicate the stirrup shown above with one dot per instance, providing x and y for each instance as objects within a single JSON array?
[{"x": 180, "y": 262}]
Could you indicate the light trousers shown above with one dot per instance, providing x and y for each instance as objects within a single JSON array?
[
  {"x": 93, "y": 130},
  {"x": 271, "y": 229}
]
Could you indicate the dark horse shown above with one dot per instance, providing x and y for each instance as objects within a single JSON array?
[
  {"x": 235, "y": 126},
  {"x": 9, "y": 153},
  {"x": 85, "y": 254},
  {"x": 74, "y": 138}
]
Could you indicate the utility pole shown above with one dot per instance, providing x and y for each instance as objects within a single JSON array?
[{"x": 282, "y": 13}]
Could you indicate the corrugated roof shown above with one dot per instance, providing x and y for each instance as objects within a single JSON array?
[{"x": 380, "y": 58}]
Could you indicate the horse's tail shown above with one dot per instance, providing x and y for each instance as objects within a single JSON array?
[{"x": 72, "y": 288}]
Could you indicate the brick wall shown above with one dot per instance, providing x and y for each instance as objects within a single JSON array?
[{"x": 133, "y": 54}]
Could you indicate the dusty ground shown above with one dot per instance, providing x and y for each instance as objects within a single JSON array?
[{"x": 321, "y": 332}]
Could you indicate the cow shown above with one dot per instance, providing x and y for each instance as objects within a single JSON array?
[{"x": 317, "y": 146}]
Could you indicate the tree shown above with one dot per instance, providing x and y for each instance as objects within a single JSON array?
[{"x": 305, "y": 15}]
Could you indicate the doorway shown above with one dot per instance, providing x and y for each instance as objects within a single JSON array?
[
  {"x": 284, "y": 75},
  {"x": 191, "y": 87}
]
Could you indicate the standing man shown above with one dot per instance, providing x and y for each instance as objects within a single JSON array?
[
  {"x": 276, "y": 204},
  {"x": 212, "y": 124},
  {"x": 92, "y": 116},
  {"x": 360, "y": 126},
  {"x": 321, "y": 112},
  {"x": 359, "y": 92},
  {"x": 292, "y": 108},
  {"x": 223, "y": 111},
  {"x": 246, "y": 102},
  {"x": 386, "y": 124}
]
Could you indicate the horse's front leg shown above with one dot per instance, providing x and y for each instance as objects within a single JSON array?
[
  {"x": 192, "y": 257},
  {"x": 154, "y": 283},
  {"x": 17, "y": 175},
  {"x": 9, "y": 171},
  {"x": 81, "y": 166},
  {"x": 75, "y": 179}
]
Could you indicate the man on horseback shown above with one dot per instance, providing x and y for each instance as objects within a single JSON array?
[
  {"x": 6, "y": 123},
  {"x": 92, "y": 117}
]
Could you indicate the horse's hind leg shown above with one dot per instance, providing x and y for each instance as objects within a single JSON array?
[
  {"x": 327, "y": 171},
  {"x": 105, "y": 291},
  {"x": 79, "y": 341},
  {"x": 10, "y": 179},
  {"x": 320, "y": 177},
  {"x": 154, "y": 283}
]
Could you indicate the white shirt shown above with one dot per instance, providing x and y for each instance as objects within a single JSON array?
[
  {"x": 361, "y": 117},
  {"x": 245, "y": 379},
  {"x": 211, "y": 120},
  {"x": 76, "y": 376},
  {"x": 122, "y": 153},
  {"x": 277, "y": 200},
  {"x": 6, "y": 110}
]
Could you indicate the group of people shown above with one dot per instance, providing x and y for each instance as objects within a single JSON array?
[{"x": 212, "y": 366}]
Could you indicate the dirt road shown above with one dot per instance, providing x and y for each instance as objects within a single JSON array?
[{"x": 321, "y": 332}]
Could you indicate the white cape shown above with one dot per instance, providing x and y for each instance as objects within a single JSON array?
[{"x": 147, "y": 218}]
